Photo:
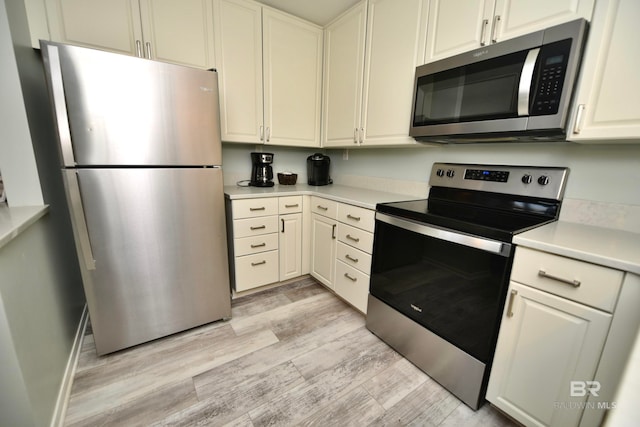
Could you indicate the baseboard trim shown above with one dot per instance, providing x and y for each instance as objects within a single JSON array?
[{"x": 60, "y": 410}]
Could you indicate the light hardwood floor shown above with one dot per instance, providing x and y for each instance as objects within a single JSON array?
[{"x": 294, "y": 355}]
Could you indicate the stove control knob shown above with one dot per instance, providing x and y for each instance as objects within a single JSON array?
[
  {"x": 440, "y": 172},
  {"x": 527, "y": 179},
  {"x": 451, "y": 173},
  {"x": 543, "y": 180}
]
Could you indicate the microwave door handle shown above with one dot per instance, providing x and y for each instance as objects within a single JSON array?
[{"x": 526, "y": 78}]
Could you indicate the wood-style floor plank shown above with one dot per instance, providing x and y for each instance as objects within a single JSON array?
[{"x": 293, "y": 355}]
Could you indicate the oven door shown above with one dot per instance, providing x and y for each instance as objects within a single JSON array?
[{"x": 451, "y": 283}]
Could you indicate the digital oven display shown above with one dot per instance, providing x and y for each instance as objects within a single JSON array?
[{"x": 486, "y": 175}]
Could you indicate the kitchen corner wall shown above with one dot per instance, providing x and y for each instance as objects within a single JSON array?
[
  {"x": 236, "y": 161},
  {"x": 603, "y": 187}
]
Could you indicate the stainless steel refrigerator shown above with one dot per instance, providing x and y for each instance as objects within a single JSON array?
[{"x": 141, "y": 161}]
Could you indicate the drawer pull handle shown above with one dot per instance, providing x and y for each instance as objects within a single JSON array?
[
  {"x": 353, "y": 279},
  {"x": 355, "y": 218},
  {"x": 291, "y": 206},
  {"x": 258, "y": 227},
  {"x": 350, "y": 237},
  {"x": 324, "y": 208},
  {"x": 333, "y": 231},
  {"x": 347, "y": 256},
  {"x": 574, "y": 283},
  {"x": 510, "y": 307},
  {"x": 259, "y": 245},
  {"x": 257, "y": 209},
  {"x": 253, "y": 264}
]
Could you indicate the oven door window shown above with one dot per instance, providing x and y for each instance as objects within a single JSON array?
[
  {"x": 455, "y": 291},
  {"x": 481, "y": 91}
]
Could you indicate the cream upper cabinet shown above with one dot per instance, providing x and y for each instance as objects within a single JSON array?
[
  {"x": 179, "y": 32},
  {"x": 269, "y": 68},
  {"x": 344, "y": 41},
  {"x": 604, "y": 107},
  {"x": 456, "y": 26},
  {"x": 369, "y": 80},
  {"x": 112, "y": 25},
  {"x": 238, "y": 41},
  {"x": 292, "y": 70}
]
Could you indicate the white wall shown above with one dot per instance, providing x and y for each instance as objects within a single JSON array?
[
  {"x": 604, "y": 173},
  {"x": 17, "y": 161},
  {"x": 236, "y": 161},
  {"x": 607, "y": 173}
]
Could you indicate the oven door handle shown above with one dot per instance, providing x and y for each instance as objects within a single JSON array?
[{"x": 487, "y": 245}]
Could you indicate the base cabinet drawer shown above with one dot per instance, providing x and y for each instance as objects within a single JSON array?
[
  {"x": 354, "y": 257},
  {"x": 324, "y": 207},
  {"x": 255, "y": 226},
  {"x": 255, "y": 244},
  {"x": 256, "y": 270},
  {"x": 357, "y": 216},
  {"x": 352, "y": 285},
  {"x": 252, "y": 208},
  {"x": 579, "y": 281},
  {"x": 355, "y": 237}
]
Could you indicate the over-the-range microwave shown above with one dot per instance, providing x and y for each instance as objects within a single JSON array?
[{"x": 518, "y": 89}]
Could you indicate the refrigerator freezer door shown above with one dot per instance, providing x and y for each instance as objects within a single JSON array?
[
  {"x": 159, "y": 244},
  {"x": 122, "y": 110}
]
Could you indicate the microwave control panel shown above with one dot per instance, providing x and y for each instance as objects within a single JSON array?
[{"x": 552, "y": 71}]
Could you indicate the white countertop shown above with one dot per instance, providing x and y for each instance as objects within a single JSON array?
[
  {"x": 604, "y": 246},
  {"x": 340, "y": 193},
  {"x": 14, "y": 221}
]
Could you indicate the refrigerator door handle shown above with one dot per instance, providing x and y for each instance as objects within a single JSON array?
[
  {"x": 77, "y": 212},
  {"x": 58, "y": 95}
]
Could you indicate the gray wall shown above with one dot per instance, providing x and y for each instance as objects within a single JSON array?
[
  {"x": 41, "y": 289},
  {"x": 603, "y": 172}
]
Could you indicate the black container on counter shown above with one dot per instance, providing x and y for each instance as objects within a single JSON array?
[{"x": 318, "y": 169}]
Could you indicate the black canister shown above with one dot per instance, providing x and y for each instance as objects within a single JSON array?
[{"x": 318, "y": 169}]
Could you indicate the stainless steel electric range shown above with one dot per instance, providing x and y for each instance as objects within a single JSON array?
[{"x": 441, "y": 266}]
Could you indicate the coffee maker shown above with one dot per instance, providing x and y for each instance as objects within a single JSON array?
[
  {"x": 261, "y": 171},
  {"x": 318, "y": 169}
]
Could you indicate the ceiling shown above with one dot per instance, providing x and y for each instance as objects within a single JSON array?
[{"x": 319, "y": 12}]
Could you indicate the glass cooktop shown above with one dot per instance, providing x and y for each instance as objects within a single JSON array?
[{"x": 478, "y": 220}]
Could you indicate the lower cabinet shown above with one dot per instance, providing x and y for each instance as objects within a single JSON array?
[
  {"x": 342, "y": 242},
  {"x": 275, "y": 239},
  {"x": 290, "y": 246},
  {"x": 267, "y": 240},
  {"x": 252, "y": 271},
  {"x": 549, "y": 349},
  {"x": 323, "y": 249},
  {"x": 554, "y": 328}
]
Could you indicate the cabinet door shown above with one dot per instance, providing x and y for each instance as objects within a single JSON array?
[
  {"x": 179, "y": 32},
  {"x": 546, "y": 344},
  {"x": 456, "y": 26},
  {"x": 396, "y": 36},
  {"x": 112, "y": 25},
  {"x": 238, "y": 51},
  {"x": 323, "y": 249},
  {"x": 513, "y": 18},
  {"x": 290, "y": 246},
  {"x": 292, "y": 61},
  {"x": 344, "y": 41},
  {"x": 605, "y": 110}
]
